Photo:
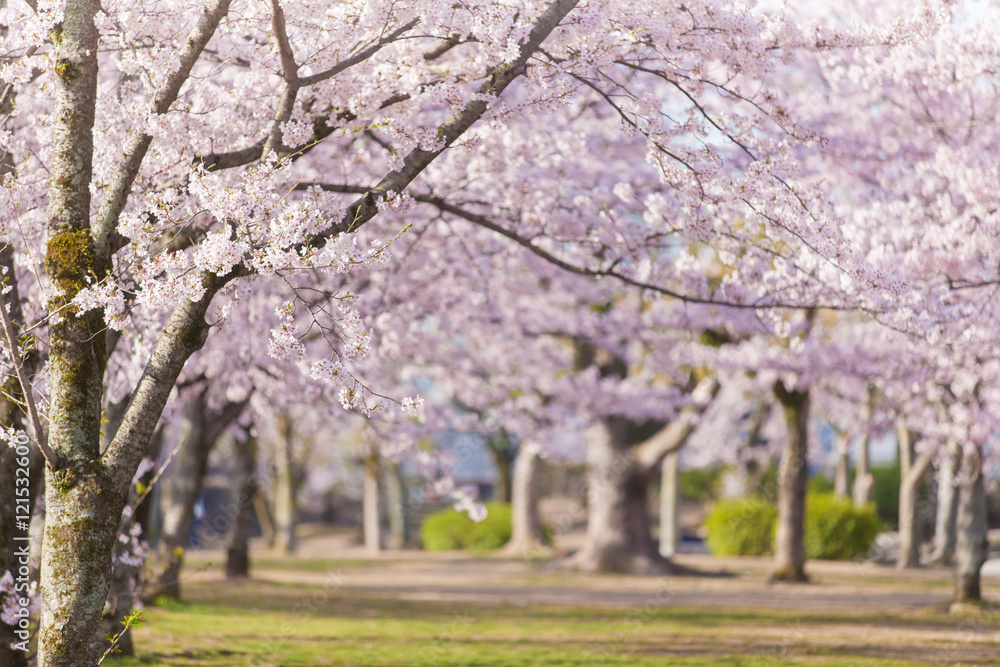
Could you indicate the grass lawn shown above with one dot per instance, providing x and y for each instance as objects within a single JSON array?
[{"x": 262, "y": 623}]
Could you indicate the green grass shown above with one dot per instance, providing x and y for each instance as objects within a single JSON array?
[{"x": 259, "y": 623}]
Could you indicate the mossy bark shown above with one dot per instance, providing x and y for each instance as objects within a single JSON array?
[
  {"x": 793, "y": 478},
  {"x": 83, "y": 507}
]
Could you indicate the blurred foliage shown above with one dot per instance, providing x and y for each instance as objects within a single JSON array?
[
  {"x": 701, "y": 485},
  {"x": 741, "y": 527},
  {"x": 885, "y": 492},
  {"x": 449, "y": 529},
  {"x": 835, "y": 528},
  {"x": 820, "y": 484}
]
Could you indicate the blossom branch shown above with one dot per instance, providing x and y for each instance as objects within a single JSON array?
[{"x": 121, "y": 183}]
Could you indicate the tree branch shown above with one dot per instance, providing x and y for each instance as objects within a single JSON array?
[
  {"x": 185, "y": 333},
  {"x": 650, "y": 453},
  {"x": 138, "y": 145},
  {"x": 365, "y": 208}
]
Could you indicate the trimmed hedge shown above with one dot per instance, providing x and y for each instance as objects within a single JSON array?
[
  {"x": 741, "y": 527},
  {"x": 835, "y": 528},
  {"x": 448, "y": 529}
]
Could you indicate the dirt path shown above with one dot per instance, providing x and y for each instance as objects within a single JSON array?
[{"x": 732, "y": 582}]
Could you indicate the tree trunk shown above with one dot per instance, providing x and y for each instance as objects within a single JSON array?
[
  {"x": 793, "y": 479},
  {"x": 178, "y": 495},
  {"x": 502, "y": 451},
  {"x": 395, "y": 495},
  {"x": 526, "y": 537},
  {"x": 242, "y": 491},
  {"x": 284, "y": 489},
  {"x": 669, "y": 496},
  {"x": 911, "y": 479},
  {"x": 842, "y": 473},
  {"x": 370, "y": 506},
  {"x": 83, "y": 506},
  {"x": 618, "y": 537},
  {"x": 971, "y": 544},
  {"x": 947, "y": 507},
  {"x": 863, "y": 480}
]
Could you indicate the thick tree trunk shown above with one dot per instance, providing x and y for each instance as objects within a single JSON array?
[
  {"x": 284, "y": 489},
  {"x": 618, "y": 537},
  {"x": 843, "y": 471},
  {"x": 178, "y": 496},
  {"x": 793, "y": 478},
  {"x": 371, "y": 509},
  {"x": 82, "y": 504},
  {"x": 971, "y": 544},
  {"x": 863, "y": 480},
  {"x": 526, "y": 537},
  {"x": 947, "y": 507},
  {"x": 669, "y": 497},
  {"x": 243, "y": 488},
  {"x": 395, "y": 495}
]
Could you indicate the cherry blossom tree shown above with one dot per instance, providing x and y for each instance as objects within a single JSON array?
[{"x": 170, "y": 161}]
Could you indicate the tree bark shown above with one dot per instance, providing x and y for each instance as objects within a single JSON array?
[
  {"x": 284, "y": 489},
  {"x": 83, "y": 506},
  {"x": 371, "y": 509},
  {"x": 669, "y": 497},
  {"x": 843, "y": 471},
  {"x": 947, "y": 506},
  {"x": 912, "y": 470},
  {"x": 242, "y": 491},
  {"x": 863, "y": 480},
  {"x": 793, "y": 478},
  {"x": 971, "y": 545},
  {"x": 526, "y": 537},
  {"x": 395, "y": 495},
  {"x": 618, "y": 537}
]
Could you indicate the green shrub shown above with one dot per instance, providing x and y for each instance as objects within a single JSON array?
[
  {"x": 836, "y": 529},
  {"x": 820, "y": 483},
  {"x": 701, "y": 484},
  {"x": 741, "y": 527},
  {"x": 885, "y": 492},
  {"x": 449, "y": 529}
]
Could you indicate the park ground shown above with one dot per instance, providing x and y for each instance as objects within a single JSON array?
[{"x": 331, "y": 605}]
